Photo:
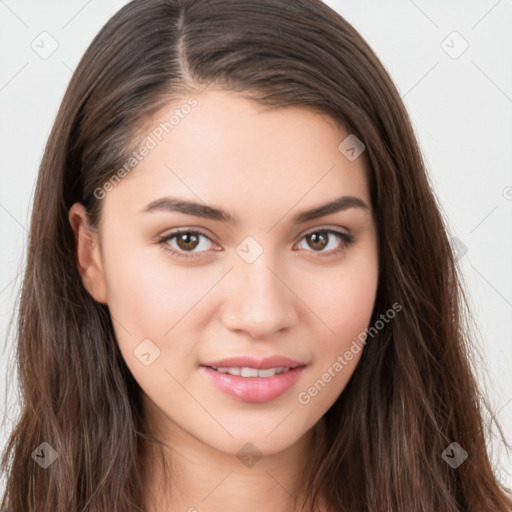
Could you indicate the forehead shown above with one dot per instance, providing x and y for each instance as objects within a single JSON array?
[{"x": 234, "y": 152}]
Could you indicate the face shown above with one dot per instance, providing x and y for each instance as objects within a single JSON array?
[{"x": 259, "y": 283}]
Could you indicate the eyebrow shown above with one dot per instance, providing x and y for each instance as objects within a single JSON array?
[{"x": 173, "y": 204}]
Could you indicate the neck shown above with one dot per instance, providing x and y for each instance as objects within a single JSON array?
[{"x": 190, "y": 476}]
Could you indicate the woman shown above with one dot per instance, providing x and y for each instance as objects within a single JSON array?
[{"x": 239, "y": 289}]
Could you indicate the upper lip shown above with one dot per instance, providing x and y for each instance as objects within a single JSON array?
[{"x": 253, "y": 362}]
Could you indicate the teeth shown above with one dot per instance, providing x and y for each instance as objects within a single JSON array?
[
  {"x": 252, "y": 372},
  {"x": 248, "y": 372}
]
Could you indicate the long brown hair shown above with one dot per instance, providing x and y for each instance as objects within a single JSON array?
[{"x": 413, "y": 392}]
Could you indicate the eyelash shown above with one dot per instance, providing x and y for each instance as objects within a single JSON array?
[{"x": 348, "y": 240}]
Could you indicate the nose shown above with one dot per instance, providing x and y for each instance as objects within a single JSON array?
[{"x": 259, "y": 302}]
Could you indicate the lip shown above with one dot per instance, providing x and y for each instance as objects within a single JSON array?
[
  {"x": 254, "y": 389},
  {"x": 253, "y": 362}
]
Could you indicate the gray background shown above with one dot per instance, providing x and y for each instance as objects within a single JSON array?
[{"x": 460, "y": 101}]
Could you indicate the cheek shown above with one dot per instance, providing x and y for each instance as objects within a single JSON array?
[
  {"x": 343, "y": 300},
  {"x": 344, "y": 304},
  {"x": 147, "y": 294},
  {"x": 349, "y": 310},
  {"x": 151, "y": 305}
]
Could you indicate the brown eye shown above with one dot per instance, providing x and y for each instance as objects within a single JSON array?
[
  {"x": 187, "y": 241},
  {"x": 184, "y": 243},
  {"x": 321, "y": 238},
  {"x": 317, "y": 240}
]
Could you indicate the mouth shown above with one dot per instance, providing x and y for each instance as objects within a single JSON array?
[
  {"x": 274, "y": 362},
  {"x": 251, "y": 373},
  {"x": 249, "y": 384}
]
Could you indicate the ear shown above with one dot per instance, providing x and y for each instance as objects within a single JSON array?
[{"x": 88, "y": 254}]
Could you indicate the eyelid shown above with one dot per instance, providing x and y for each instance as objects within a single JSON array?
[
  {"x": 179, "y": 231},
  {"x": 335, "y": 229}
]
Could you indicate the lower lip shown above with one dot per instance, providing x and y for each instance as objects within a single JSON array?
[{"x": 254, "y": 389}]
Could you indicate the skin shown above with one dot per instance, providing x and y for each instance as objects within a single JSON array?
[{"x": 264, "y": 167}]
